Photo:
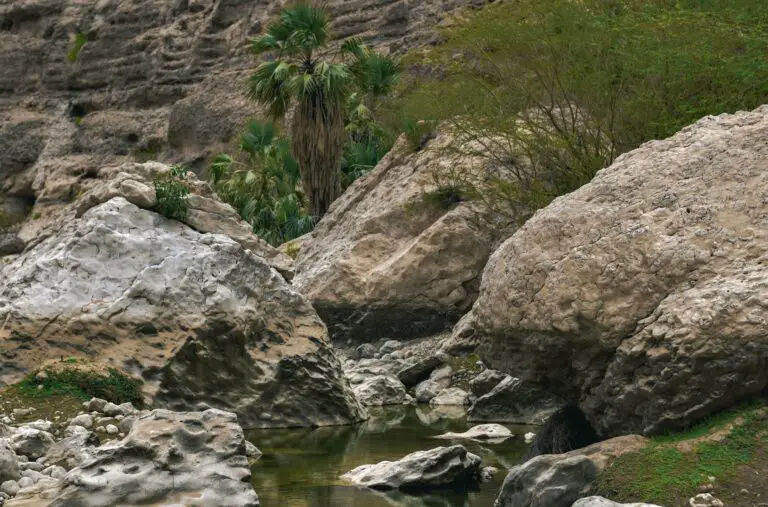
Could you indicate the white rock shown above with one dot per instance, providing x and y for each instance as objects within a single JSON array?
[
  {"x": 529, "y": 437},
  {"x": 492, "y": 432},
  {"x": 84, "y": 420},
  {"x": 705, "y": 500},
  {"x": 452, "y": 396},
  {"x": 112, "y": 429}
]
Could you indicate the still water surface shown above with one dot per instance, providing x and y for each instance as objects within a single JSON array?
[{"x": 301, "y": 468}]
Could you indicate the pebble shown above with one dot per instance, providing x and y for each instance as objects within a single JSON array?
[
  {"x": 112, "y": 429},
  {"x": 529, "y": 437},
  {"x": 84, "y": 420}
]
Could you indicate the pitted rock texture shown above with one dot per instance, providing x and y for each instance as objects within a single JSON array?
[
  {"x": 203, "y": 321},
  {"x": 641, "y": 296},
  {"x": 386, "y": 261},
  {"x": 187, "y": 458}
]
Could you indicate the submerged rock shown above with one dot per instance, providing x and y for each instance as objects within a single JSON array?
[
  {"x": 202, "y": 320},
  {"x": 640, "y": 295},
  {"x": 493, "y": 432},
  {"x": 442, "y": 467},
  {"x": 598, "y": 501},
  {"x": 516, "y": 402}
]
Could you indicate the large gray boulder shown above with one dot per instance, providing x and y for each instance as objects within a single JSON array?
[
  {"x": 30, "y": 442},
  {"x": 639, "y": 296},
  {"x": 558, "y": 480},
  {"x": 514, "y": 401},
  {"x": 387, "y": 262},
  {"x": 441, "y": 467},
  {"x": 205, "y": 322},
  {"x": 187, "y": 458}
]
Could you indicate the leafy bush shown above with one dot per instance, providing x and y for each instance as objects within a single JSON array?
[
  {"x": 556, "y": 90},
  {"x": 114, "y": 387},
  {"x": 260, "y": 182},
  {"x": 172, "y": 193}
]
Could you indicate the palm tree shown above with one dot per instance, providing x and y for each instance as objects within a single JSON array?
[{"x": 321, "y": 89}]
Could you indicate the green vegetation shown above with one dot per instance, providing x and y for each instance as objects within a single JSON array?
[
  {"x": 331, "y": 96},
  {"x": 77, "y": 44},
  {"x": 172, "y": 192},
  {"x": 667, "y": 473},
  {"x": 260, "y": 182},
  {"x": 70, "y": 380},
  {"x": 553, "y": 91}
]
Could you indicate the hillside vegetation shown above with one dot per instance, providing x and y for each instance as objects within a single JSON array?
[{"x": 568, "y": 86}]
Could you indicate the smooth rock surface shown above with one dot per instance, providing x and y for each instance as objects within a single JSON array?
[
  {"x": 598, "y": 501},
  {"x": 452, "y": 396},
  {"x": 423, "y": 470},
  {"x": 493, "y": 432},
  {"x": 640, "y": 296},
  {"x": 201, "y": 319},
  {"x": 384, "y": 262},
  {"x": 513, "y": 401}
]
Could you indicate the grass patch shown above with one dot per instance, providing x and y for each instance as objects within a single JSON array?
[
  {"x": 665, "y": 474},
  {"x": 77, "y": 45},
  {"x": 419, "y": 132},
  {"x": 69, "y": 380}
]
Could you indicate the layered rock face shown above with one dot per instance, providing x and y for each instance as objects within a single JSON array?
[
  {"x": 87, "y": 83},
  {"x": 386, "y": 261},
  {"x": 205, "y": 322},
  {"x": 641, "y": 296}
]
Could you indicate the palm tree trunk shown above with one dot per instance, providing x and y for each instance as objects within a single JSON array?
[{"x": 318, "y": 142}]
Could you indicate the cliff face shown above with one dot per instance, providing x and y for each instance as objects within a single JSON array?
[{"x": 88, "y": 82}]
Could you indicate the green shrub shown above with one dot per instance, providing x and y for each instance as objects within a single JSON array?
[
  {"x": 418, "y": 132},
  {"x": 77, "y": 44},
  {"x": 172, "y": 193},
  {"x": 557, "y": 90},
  {"x": 70, "y": 380},
  {"x": 261, "y": 182}
]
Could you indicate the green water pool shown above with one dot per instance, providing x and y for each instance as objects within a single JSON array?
[{"x": 301, "y": 468}]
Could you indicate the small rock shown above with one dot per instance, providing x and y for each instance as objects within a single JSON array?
[
  {"x": 101, "y": 429},
  {"x": 705, "y": 500},
  {"x": 251, "y": 450},
  {"x": 365, "y": 351},
  {"x": 21, "y": 412},
  {"x": 84, "y": 420},
  {"x": 452, "y": 396},
  {"x": 33, "y": 474},
  {"x": 529, "y": 437},
  {"x": 25, "y": 482},
  {"x": 55, "y": 472},
  {"x": 10, "y": 487},
  {"x": 390, "y": 346},
  {"x": 111, "y": 410},
  {"x": 41, "y": 375},
  {"x": 96, "y": 405},
  {"x": 487, "y": 473},
  {"x": 112, "y": 429},
  {"x": 128, "y": 408},
  {"x": 40, "y": 424},
  {"x": 32, "y": 465},
  {"x": 125, "y": 425}
]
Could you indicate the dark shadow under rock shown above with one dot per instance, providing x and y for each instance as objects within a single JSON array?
[{"x": 566, "y": 430}]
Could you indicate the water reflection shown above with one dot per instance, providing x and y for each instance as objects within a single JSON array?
[{"x": 301, "y": 468}]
